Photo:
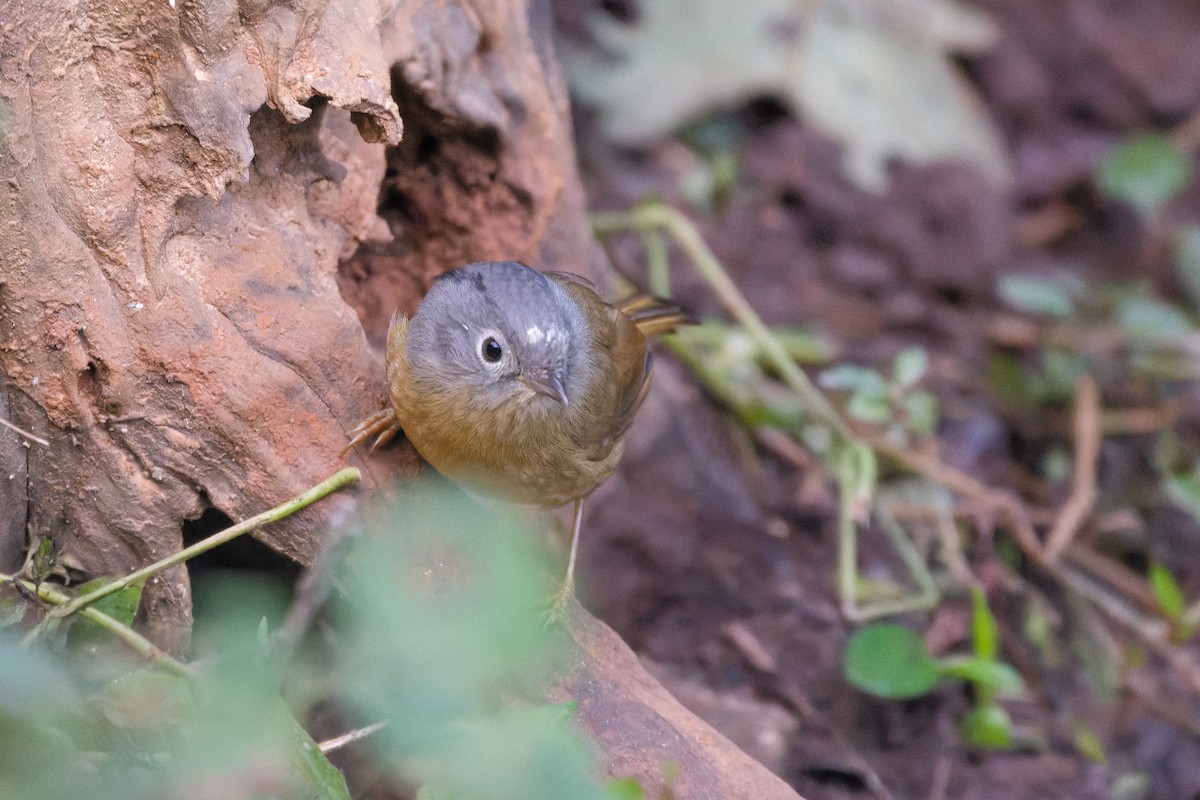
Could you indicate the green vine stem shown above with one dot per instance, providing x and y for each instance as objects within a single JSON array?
[
  {"x": 138, "y": 643},
  {"x": 648, "y": 217},
  {"x": 322, "y": 489}
]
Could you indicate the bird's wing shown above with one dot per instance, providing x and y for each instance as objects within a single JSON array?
[
  {"x": 622, "y": 331},
  {"x": 633, "y": 363},
  {"x": 635, "y": 320},
  {"x": 654, "y": 315},
  {"x": 573, "y": 277}
]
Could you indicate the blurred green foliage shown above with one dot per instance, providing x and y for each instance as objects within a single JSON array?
[
  {"x": 889, "y": 660},
  {"x": 446, "y": 636},
  {"x": 1186, "y": 255},
  {"x": 893, "y": 402},
  {"x": 1055, "y": 296},
  {"x": 440, "y": 632},
  {"x": 1146, "y": 172},
  {"x": 81, "y": 723},
  {"x": 734, "y": 368}
]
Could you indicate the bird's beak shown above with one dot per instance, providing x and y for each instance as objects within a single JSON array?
[{"x": 547, "y": 383}]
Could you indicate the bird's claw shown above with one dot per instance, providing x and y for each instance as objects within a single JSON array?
[{"x": 383, "y": 426}]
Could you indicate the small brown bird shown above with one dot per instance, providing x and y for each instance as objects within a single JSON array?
[{"x": 519, "y": 384}]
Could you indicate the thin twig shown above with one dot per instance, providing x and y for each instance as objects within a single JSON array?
[
  {"x": 1152, "y": 633},
  {"x": 649, "y": 216},
  {"x": 1190, "y": 620},
  {"x": 658, "y": 263},
  {"x": 1048, "y": 224},
  {"x": 940, "y": 779},
  {"x": 1171, "y": 713},
  {"x": 22, "y": 432},
  {"x": 1116, "y": 575},
  {"x": 1088, "y": 437},
  {"x": 329, "y": 745},
  {"x": 1010, "y": 512},
  {"x": 140, "y": 644},
  {"x": 322, "y": 489},
  {"x": 1134, "y": 421},
  {"x": 312, "y": 589},
  {"x": 942, "y": 520}
]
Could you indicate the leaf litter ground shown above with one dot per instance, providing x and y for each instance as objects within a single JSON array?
[{"x": 715, "y": 558}]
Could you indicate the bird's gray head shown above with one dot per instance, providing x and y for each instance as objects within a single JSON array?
[{"x": 500, "y": 330}]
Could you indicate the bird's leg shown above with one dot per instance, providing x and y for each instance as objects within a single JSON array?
[
  {"x": 566, "y": 592},
  {"x": 383, "y": 423}
]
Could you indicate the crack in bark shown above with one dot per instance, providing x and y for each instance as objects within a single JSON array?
[{"x": 277, "y": 359}]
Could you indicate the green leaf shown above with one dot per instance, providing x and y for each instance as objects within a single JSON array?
[
  {"x": 320, "y": 778},
  {"x": 1039, "y": 630},
  {"x": 449, "y": 619},
  {"x": 889, "y": 660},
  {"x": 141, "y": 703},
  {"x": 121, "y": 605},
  {"x": 985, "y": 634},
  {"x": 988, "y": 726},
  {"x": 853, "y": 378},
  {"x": 1184, "y": 493},
  {"x": 432, "y": 791},
  {"x": 994, "y": 676},
  {"x": 1008, "y": 381},
  {"x": 806, "y": 346},
  {"x": 1145, "y": 172},
  {"x": 12, "y": 605},
  {"x": 1060, "y": 372},
  {"x": 869, "y": 407},
  {"x": 1187, "y": 261},
  {"x": 922, "y": 410},
  {"x": 910, "y": 366},
  {"x": 1130, "y": 786},
  {"x": 32, "y": 681},
  {"x": 1167, "y": 592},
  {"x": 1042, "y": 297},
  {"x": 44, "y": 559},
  {"x": 38, "y": 696},
  {"x": 1152, "y": 320},
  {"x": 1088, "y": 743},
  {"x": 1056, "y": 464},
  {"x": 625, "y": 789}
]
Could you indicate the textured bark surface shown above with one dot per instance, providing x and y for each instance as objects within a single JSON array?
[
  {"x": 645, "y": 733},
  {"x": 179, "y": 188},
  {"x": 192, "y": 217},
  {"x": 486, "y": 169}
]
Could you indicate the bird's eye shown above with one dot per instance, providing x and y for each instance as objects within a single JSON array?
[{"x": 491, "y": 350}]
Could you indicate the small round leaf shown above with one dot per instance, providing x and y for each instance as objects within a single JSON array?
[
  {"x": 1145, "y": 172},
  {"x": 889, "y": 660},
  {"x": 910, "y": 366}
]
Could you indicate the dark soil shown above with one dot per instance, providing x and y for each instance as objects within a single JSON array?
[{"x": 715, "y": 559}]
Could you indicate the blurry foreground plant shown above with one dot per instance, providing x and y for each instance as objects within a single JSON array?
[
  {"x": 439, "y": 633},
  {"x": 445, "y": 637}
]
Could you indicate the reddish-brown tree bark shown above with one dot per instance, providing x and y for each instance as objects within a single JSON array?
[
  {"x": 180, "y": 186},
  {"x": 191, "y": 219}
]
